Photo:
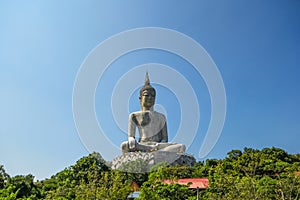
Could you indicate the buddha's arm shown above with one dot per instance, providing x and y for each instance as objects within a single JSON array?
[
  {"x": 131, "y": 131},
  {"x": 164, "y": 132}
]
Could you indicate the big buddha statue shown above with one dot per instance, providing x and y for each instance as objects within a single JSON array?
[{"x": 151, "y": 125}]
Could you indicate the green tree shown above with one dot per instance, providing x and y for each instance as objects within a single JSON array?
[
  {"x": 135, "y": 171},
  {"x": 86, "y": 172},
  {"x": 111, "y": 186},
  {"x": 155, "y": 189},
  {"x": 171, "y": 172},
  {"x": 158, "y": 190},
  {"x": 20, "y": 187},
  {"x": 254, "y": 174},
  {"x": 3, "y": 176}
]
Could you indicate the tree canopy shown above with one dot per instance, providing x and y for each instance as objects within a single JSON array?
[{"x": 270, "y": 173}]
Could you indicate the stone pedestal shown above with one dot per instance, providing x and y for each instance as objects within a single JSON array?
[{"x": 138, "y": 162}]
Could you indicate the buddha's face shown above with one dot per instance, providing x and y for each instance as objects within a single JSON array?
[{"x": 147, "y": 98}]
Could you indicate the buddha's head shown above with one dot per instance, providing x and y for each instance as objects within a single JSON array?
[{"x": 147, "y": 95}]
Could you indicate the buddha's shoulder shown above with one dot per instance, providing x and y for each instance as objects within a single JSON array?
[
  {"x": 159, "y": 114},
  {"x": 139, "y": 113},
  {"x": 135, "y": 114}
]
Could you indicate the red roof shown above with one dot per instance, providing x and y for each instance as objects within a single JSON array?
[{"x": 201, "y": 183}]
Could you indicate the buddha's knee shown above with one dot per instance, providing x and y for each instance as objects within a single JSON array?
[
  {"x": 125, "y": 147},
  {"x": 178, "y": 148},
  {"x": 182, "y": 148}
]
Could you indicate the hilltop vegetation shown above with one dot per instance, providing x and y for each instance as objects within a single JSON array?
[{"x": 269, "y": 173}]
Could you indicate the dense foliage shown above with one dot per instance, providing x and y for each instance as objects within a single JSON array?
[
  {"x": 270, "y": 173},
  {"x": 253, "y": 174}
]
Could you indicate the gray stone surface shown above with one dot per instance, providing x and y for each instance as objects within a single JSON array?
[{"x": 137, "y": 162}]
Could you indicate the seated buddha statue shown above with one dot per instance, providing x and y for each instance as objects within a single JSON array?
[{"x": 151, "y": 125}]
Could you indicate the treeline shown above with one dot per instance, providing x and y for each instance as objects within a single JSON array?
[{"x": 270, "y": 173}]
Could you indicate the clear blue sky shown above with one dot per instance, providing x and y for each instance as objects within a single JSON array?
[{"x": 255, "y": 44}]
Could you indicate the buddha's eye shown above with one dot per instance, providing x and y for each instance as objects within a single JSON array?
[{"x": 148, "y": 94}]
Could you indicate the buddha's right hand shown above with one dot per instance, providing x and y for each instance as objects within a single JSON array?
[{"x": 131, "y": 143}]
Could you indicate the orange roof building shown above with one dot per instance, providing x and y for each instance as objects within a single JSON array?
[
  {"x": 134, "y": 186},
  {"x": 200, "y": 183}
]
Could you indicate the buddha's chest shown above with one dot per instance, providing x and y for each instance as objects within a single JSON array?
[{"x": 148, "y": 120}]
